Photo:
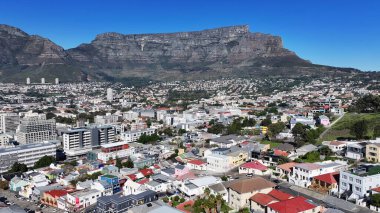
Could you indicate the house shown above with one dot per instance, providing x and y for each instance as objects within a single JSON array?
[
  {"x": 50, "y": 197},
  {"x": 260, "y": 201},
  {"x": 283, "y": 170},
  {"x": 17, "y": 183},
  {"x": 113, "y": 180},
  {"x": 103, "y": 186},
  {"x": 324, "y": 120},
  {"x": 326, "y": 183},
  {"x": 118, "y": 203},
  {"x": 160, "y": 183},
  {"x": 253, "y": 167},
  {"x": 226, "y": 141},
  {"x": 223, "y": 160},
  {"x": 220, "y": 189},
  {"x": 356, "y": 150},
  {"x": 110, "y": 170},
  {"x": 196, "y": 164},
  {"x": 131, "y": 187},
  {"x": 303, "y": 150},
  {"x": 303, "y": 120},
  {"x": 197, "y": 186},
  {"x": 180, "y": 170},
  {"x": 296, "y": 205},
  {"x": 335, "y": 146},
  {"x": 81, "y": 199},
  {"x": 373, "y": 152},
  {"x": 84, "y": 184},
  {"x": 240, "y": 191},
  {"x": 303, "y": 173},
  {"x": 355, "y": 184}
]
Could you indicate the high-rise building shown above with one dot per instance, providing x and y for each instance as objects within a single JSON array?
[
  {"x": 56, "y": 80},
  {"x": 27, "y": 80},
  {"x": 109, "y": 94},
  {"x": 36, "y": 128},
  {"x": 9, "y": 122},
  {"x": 78, "y": 141},
  {"x": 42, "y": 80}
]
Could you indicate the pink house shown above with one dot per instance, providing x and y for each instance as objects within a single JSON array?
[
  {"x": 325, "y": 121},
  {"x": 180, "y": 170}
]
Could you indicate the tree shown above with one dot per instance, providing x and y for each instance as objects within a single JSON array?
[
  {"x": 181, "y": 131},
  {"x": 359, "y": 129},
  {"x": 50, "y": 115},
  {"x": 4, "y": 184},
  {"x": 118, "y": 163},
  {"x": 18, "y": 167},
  {"x": 299, "y": 133},
  {"x": 216, "y": 128},
  {"x": 376, "y": 131},
  {"x": 375, "y": 200},
  {"x": 44, "y": 161},
  {"x": 266, "y": 122},
  {"x": 128, "y": 163},
  {"x": 276, "y": 128},
  {"x": 325, "y": 150},
  {"x": 366, "y": 104}
]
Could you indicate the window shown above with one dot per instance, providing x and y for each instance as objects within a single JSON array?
[
  {"x": 358, "y": 181},
  {"x": 351, "y": 178},
  {"x": 344, "y": 176}
]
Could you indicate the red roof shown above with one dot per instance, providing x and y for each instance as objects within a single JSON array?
[
  {"x": 279, "y": 195},
  {"x": 143, "y": 181},
  {"x": 287, "y": 166},
  {"x": 196, "y": 162},
  {"x": 294, "y": 205},
  {"x": 263, "y": 199},
  {"x": 57, "y": 193},
  {"x": 146, "y": 172},
  {"x": 132, "y": 177},
  {"x": 181, "y": 206},
  {"x": 377, "y": 189},
  {"x": 328, "y": 178},
  {"x": 156, "y": 166},
  {"x": 278, "y": 152},
  {"x": 254, "y": 165}
]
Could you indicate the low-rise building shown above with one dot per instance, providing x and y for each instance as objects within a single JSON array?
[
  {"x": 373, "y": 152},
  {"x": 133, "y": 136},
  {"x": 26, "y": 154}
]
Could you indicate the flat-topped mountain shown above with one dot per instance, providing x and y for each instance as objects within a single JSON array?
[{"x": 221, "y": 52}]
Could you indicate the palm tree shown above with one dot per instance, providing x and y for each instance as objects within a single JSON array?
[
  {"x": 219, "y": 199},
  {"x": 207, "y": 192}
]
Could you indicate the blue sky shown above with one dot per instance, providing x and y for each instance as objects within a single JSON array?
[{"x": 342, "y": 33}]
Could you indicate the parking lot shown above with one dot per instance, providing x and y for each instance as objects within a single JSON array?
[{"x": 28, "y": 206}]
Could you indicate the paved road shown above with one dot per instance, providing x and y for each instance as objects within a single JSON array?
[{"x": 324, "y": 200}]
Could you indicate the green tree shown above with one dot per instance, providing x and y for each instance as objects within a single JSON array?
[
  {"x": 118, "y": 163},
  {"x": 266, "y": 122},
  {"x": 276, "y": 128},
  {"x": 216, "y": 129},
  {"x": 18, "y": 167},
  {"x": 366, "y": 104},
  {"x": 376, "y": 131},
  {"x": 44, "y": 161},
  {"x": 375, "y": 200},
  {"x": 299, "y": 133},
  {"x": 50, "y": 115},
  {"x": 359, "y": 129},
  {"x": 128, "y": 163}
]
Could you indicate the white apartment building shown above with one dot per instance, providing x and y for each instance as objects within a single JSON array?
[
  {"x": 133, "y": 136},
  {"x": 4, "y": 140},
  {"x": 78, "y": 141},
  {"x": 27, "y": 154},
  {"x": 115, "y": 150},
  {"x": 9, "y": 122},
  {"x": 36, "y": 128},
  {"x": 356, "y": 183},
  {"x": 303, "y": 173},
  {"x": 82, "y": 199}
]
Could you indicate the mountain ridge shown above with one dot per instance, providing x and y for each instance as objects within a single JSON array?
[{"x": 231, "y": 51}]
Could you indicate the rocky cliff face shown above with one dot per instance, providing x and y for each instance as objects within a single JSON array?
[
  {"x": 188, "y": 51},
  {"x": 19, "y": 48},
  {"x": 221, "y": 52}
]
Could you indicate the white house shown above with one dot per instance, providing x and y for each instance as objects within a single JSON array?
[
  {"x": 197, "y": 186},
  {"x": 197, "y": 164}
]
